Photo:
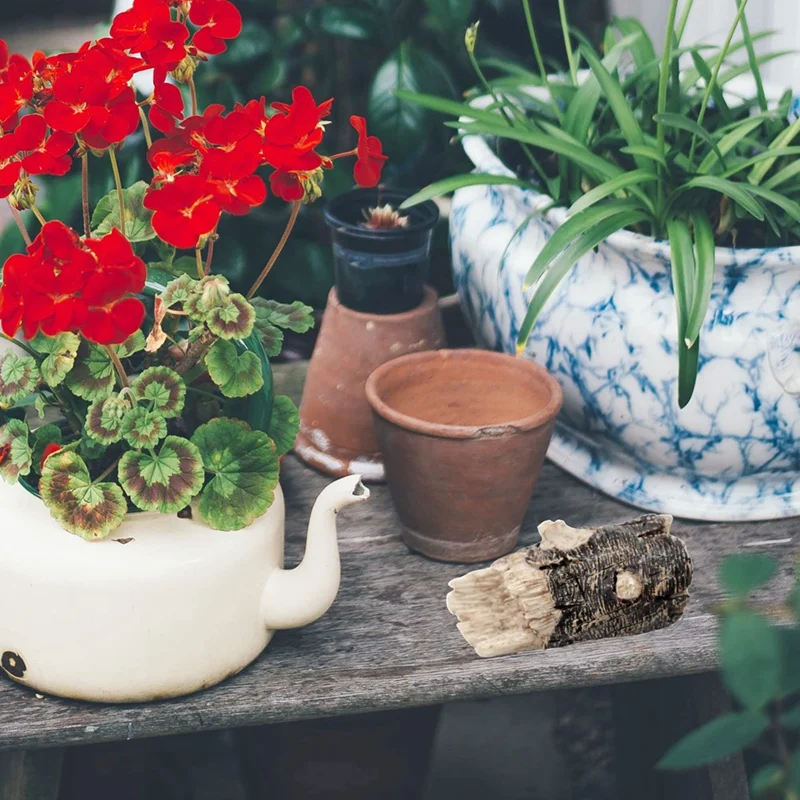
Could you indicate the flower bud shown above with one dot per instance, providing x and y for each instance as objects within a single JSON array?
[
  {"x": 184, "y": 72},
  {"x": 24, "y": 195},
  {"x": 312, "y": 185},
  {"x": 471, "y": 36}
]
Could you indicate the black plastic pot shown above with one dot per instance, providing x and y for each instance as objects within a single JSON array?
[{"x": 380, "y": 271}]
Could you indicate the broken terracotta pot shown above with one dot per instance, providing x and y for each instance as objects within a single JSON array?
[
  {"x": 337, "y": 435},
  {"x": 464, "y": 434}
]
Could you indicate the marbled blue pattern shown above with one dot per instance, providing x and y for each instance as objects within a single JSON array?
[{"x": 609, "y": 335}]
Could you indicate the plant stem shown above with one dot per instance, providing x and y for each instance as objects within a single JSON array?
[
  {"x": 663, "y": 83},
  {"x": 38, "y": 215},
  {"x": 717, "y": 67},
  {"x": 146, "y": 128},
  {"x": 20, "y": 224},
  {"x": 20, "y": 344},
  {"x": 195, "y": 353},
  {"x": 87, "y": 222},
  {"x": 210, "y": 252},
  {"x": 107, "y": 471},
  {"x": 753, "y": 61},
  {"x": 193, "y": 92},
  {"x": 573, "y": 73},
  {"x": 120, "y": 194},
  {"x": 281, "y": 244},
  {"x": 123, "y": 378},
  {"x": 537, "y": 52},
  {"x": 199, "y": 260},
  {"x": 684, "y": 19}
]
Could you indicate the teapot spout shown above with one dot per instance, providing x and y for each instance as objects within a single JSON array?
[{"x": 296, "y": 597}]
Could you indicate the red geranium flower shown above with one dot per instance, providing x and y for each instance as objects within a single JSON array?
[
  {"x": 10, "y": 166},
  {"x": 286, "y": 185},
  {"x": 49, "y": 450},
  {"x": 185, "y": 210},
  {"x": 218, "y": 20},
  {"x": 167, "y": 107},
  {"x": 148, "y": 29},
  {"x": 46, "y": 155},
  {"x": 16, "y": 85},
  {"x": 367, "y": 171},
  {"x": 168, "y": 157}
]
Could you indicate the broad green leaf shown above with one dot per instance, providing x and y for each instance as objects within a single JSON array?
[
  {"x": 104, "y": 419},
  {"x": 766, "y": 779},
  {"x": 284, "y": 424},
  {"x": 703, "y": 283},
  {"x": 42, "y": 437},
  {"x": 87, "y": 509},
  {"x": 296, "y": 316},
  {"x": 236, "y": 374},
  {"x": 162, "y": 389},
  {"x": 19, "y": 376},
  {"x": 138, "y": 220},
  {"x": 742, "y": 573},
  {"x": 16, "y": 457},
  {"x": 243, "y": 464},
  {"x": 683, "y": 280},
  {"x": 92, "y": 377},
  {"x": 60, "y": 352},
  {"x": 583, "y": 243},
  {"x": 271, "y": 338},
  {"x": 735, "y": 191},
  {"x": 718, "y": 739},
  {"x": 688, "y": 364},
  {"x": 206, "y": 295},
  {"x": 682, "y": 123},
  {"x": 784, "y": 203},
  {"x": 41, "y": 405},
  {"x": 750, "y": 658},
  {"x": 143, "y": 428},
  {"x": 728, "y": 142},
  {"x": 135, "y": 343},
  {"x": 629, "y": 179},
  {"x": 91, "y": 450},
  {"x": 179, "y": 291},
  {"x": 165, "y": 481},
  {"x": 346, "y": 22},
  {"x": 232, "y": 318},
  {"x": 783, "y": 139},
  {"x": 454, "y": 182}
]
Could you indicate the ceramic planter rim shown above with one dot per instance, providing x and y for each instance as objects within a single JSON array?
[
  {"x": 439, "y": 430},
  {"x": 487, "y": 161}
]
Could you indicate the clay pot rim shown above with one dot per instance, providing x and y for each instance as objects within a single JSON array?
[
  {"x": 429, "y": 298},
  {"x": 443, "y": 431}
]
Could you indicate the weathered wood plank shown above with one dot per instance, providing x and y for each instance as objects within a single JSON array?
[{"x": 389, "y": 641}]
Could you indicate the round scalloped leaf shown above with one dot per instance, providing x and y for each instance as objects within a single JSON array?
[
  {"x": 284, "y": 424},
  {"x": 236, "y": 374},
  {"x": 89, "y": 510},
  {"x": 104, "y": 419},
  {"x": 16, "y": 457},
  {"x": 60, "y": 352},
  {"x": 244, "y": 467},
  {"x": 209, "y": 293},
  {"x": 163, "y": 388},
  {"x": 93, "y": 376},
  {"x": 297, "y": 316},
  {"x": 178, "y": 291},
  {"x": 165, "y": 481},
  {"x": 135, "y": 343},
  {"x": 19, "y": 376},
  {"x": 144, "y": 428},
  {"x": 233, "y": 318},
  {"x": 42, "y": 437}
]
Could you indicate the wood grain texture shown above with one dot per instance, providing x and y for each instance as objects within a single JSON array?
[{"x": 390, "y": 642}]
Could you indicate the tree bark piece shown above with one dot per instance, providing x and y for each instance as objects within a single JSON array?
[{"x": 577, "y": 584}]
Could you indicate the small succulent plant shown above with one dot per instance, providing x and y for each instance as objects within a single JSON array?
[{"x": 383, "y": 217}]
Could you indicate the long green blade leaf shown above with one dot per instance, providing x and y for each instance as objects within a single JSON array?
[
  {"x": 445, "y": 106},
  {"x": 683, "y": 276},
  {"x": 771, "y": 155},
  {"x": 447, "y": 185},
  {"x": 784, "y": 203},
  {"x": 609, "y": 188},
  {"x": 728, "y": 142},
  {"x": 783, "y": 139},
  {"x": 783, "y": 176},
  {"x": 735, "y": 191},
  {"x": 704, "y": 251},
  {"x": 646, "y": 152},
  {"x": 685, "y": 124}
]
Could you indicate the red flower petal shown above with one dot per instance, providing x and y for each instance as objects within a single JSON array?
[{"x": 286, "y": 185}]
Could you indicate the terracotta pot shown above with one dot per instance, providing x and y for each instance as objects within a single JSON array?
[
  {"x": 464, "y": 434},
  {"x": 336, "y": 431}
]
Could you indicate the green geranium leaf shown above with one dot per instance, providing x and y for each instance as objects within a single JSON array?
[
  {"x": 16, "y": 457},
  {"x": 209, "y": 293},
  {"x": 138, "y": 220},
  {"x": 271, "y": 338},
  {"x": 40, "y": 404},
  {"x": 743, "y": 573},
  {"x": 236, "y": 374},
  {"x": 87, "y": 509},
  {"x": 244, "y": 467},
  {"x": 165, "y": 481},
  {"x": 179, "y": 291},
  {"x": 750, "y": 655},
  {"x": 233, "y": 318},
  {"x": 92, "y": 377},
  {"x": 90, "y": 449},
  {"x": 61, "y": 351},
  {"x": 296, "y": 316},
  {"x": 104, "y": 419},
  {"x": 143, "y": 428},
  {"x": 47, "y": 434},
  {"x": 284, "y": 424},
  {"x": 19, "y": 376},
  {"x": 135, "y": 343},
  {"x": 766, "y": 779},
  {"x": 163, "y": 389},
  {"x": 185, "y": 265},
  {"x": 718, "y": 739}
]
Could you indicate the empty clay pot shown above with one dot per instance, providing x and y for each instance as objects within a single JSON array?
[
  {"x": 337, "y": 435},
  {"x": 464, "y": 434}
]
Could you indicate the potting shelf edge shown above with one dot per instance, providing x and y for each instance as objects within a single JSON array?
[{"x": 389, "y": 641}]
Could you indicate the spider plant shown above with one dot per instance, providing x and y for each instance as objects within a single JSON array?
[{"x": 631, "y": 140}]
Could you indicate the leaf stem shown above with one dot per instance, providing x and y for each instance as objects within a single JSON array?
[
  {"x": 120, "y": 194},
  {"x": 123, "y": 377},
  {"x": 754, "y": 68},
  {"x": 20, "y": 224},
  {"x": 199, "y": 261},
  {"x": 573, "y": 73},
  {"x": 193, "y": 93},
  {"x": 210, "y": 253},
  {"x": 23, "y": 345},
  {"x": 281, "y": 244},
  {"x": 537, "y": 52},
  {"x": 146, "y": 128},
  {"x": 39, "y": 216},
  {"x": 107, "y": 471},
  {"x": 684, "y": 19},
  {"x": 663, "y": 83},
  {"x": 87, "y": 221}
]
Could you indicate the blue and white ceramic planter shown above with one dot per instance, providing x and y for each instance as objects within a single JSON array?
[{"x": 609, "y": 335}]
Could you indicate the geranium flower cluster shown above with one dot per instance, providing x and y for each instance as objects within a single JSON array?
[{"x": 65, "y": 284}]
